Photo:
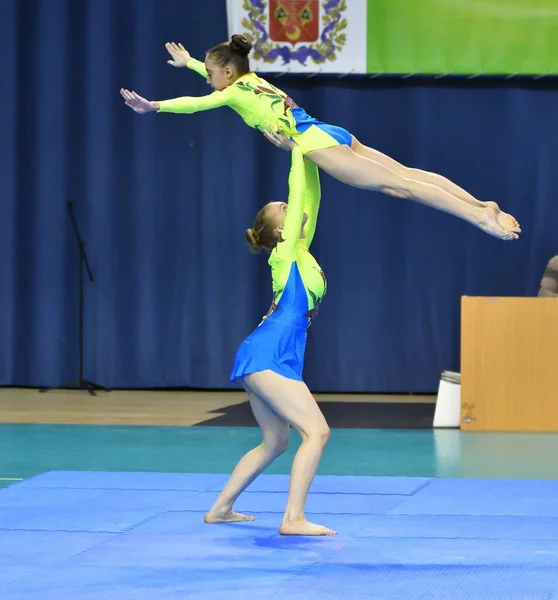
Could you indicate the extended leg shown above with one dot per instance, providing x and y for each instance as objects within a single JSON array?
[
  {"x": 275, "y": 441},
  {"x": 349, "y": 167},
  {"x": 504, "y": 219},
  {"x": 293, "y": 401}
]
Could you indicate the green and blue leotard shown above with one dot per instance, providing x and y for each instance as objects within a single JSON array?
[
  {"x": 299, "y": 284},
  {"x": 262, "y": 106}
]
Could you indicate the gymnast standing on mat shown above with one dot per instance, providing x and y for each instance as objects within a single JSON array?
[
  {"x": 333, "y": 149},
  {"x": 270, "y": 360}
]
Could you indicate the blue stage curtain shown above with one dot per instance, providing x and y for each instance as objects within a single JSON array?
[{"x": 163, "y": 200}]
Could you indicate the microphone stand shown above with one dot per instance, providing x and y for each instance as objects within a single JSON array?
[{"x": 81, "y": 383}]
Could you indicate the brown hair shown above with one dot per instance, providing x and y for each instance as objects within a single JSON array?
[
  {"x": 263, "y": 235},
  {"x": 233, "y": 53}
]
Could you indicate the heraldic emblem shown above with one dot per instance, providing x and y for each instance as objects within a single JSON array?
[{"x": 295, "y": 30}]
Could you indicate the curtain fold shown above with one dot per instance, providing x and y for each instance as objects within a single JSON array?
[{"x": 162, "y": 202}]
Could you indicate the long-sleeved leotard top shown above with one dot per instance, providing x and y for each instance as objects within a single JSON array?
[
  {"x": 260, "y": 105},
  {"x": 298, "y": 281}
]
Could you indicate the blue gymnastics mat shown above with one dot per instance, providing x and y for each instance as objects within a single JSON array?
[{"x": 102, "y": 536}]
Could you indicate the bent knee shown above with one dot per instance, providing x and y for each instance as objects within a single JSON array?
[
  {"x": 276, "y": 445},
  {"x": 319, "y": 435}
]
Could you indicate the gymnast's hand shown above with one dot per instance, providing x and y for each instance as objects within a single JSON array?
[
  {"x": 137, "y": 103},
  {"x": 180, "y": 56},
  {"x": 279, "y": 139}
]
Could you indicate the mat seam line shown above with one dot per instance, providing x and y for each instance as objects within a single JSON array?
[
  {"x": 407, "y": 495},
  {"x": 356, "y": 536},
  {"x": 424, "y": 485},
  {"x": 5, "y": 529}
]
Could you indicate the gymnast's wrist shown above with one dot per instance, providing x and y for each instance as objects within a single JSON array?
[{"x": 194, "y": 64}]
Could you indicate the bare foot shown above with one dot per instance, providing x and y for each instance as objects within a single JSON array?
[
  {"x": 488, "y": 222},
  {"x": 226, "y": 517},
  {"x": 304, "y": 527},
  {"x": 505, "y": 220}
]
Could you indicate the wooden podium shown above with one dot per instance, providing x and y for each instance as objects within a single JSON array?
[{"x": 509, "y": 364}]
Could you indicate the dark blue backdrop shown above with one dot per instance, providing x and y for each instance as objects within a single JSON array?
[{"x": 163, "y": 201}]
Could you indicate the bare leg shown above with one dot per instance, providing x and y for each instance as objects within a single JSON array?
[
  {"x": 293, "y": 401},
  {"x": 504, "y": 219},
  {"x": 275, "y": 441},
  {"x": 349, "y": 167}
]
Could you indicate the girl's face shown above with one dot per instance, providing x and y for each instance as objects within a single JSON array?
[{"x": 219, "y": 77}]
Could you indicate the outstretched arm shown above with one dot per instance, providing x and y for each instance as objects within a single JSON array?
[
  {"x": 186, "y": 104},
  {"x": 198, "y": 67},
  {"x": 312, "y": 191},
  {"x": 180, "y": 57},
  {"x": 312, "y": 200},
  {"x": 193, "y": 104},
  {"x": 292, "y": 226}
]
